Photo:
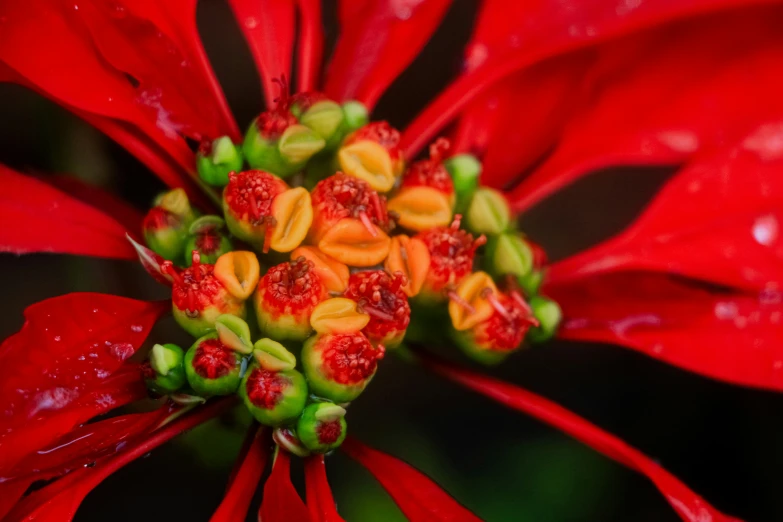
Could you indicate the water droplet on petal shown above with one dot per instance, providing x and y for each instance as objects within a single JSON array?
[
  {"x": 765, "y": 230},
  {"x": 251, "y": 22},
  {"x": 121, "y": 351},
  {"x": 137, "y": 328},
  {"x": 57, "y": 338},
  {"x": 726, "y": 310}
]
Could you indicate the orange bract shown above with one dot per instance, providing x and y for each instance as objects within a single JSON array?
[
  {"x": 411, "y": 257},
  {"x": 239, "y": 272},
  {"x": 350, "y": 242}
]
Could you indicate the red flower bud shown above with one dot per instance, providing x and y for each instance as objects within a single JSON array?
[
  {"x": 380, "y": 295},
  {"x": 247, "y": 204}
]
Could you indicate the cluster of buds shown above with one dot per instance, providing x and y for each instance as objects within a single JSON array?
[{"x": 359, "y": 251}]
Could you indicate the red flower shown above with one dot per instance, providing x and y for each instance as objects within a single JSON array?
[{"x": 555, "y": 90}]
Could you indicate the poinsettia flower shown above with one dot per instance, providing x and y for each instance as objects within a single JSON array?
[{"x": 544, "y": 99}]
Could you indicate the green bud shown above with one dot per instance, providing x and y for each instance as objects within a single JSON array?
[
  {"x": 176, "y": 201},
  {"x": 465, "y": 170},
  {"x": 531, "y": 282},
  {"x": 165, "y": 234},
  {"x": 287, "y": 439},
  {"x": 273, "y": 356},
  {"x": 325, "y": 118},
  {"x": 508, "y": 254},
  {"x": 488, "y": 212},
  {"x": 207, "y": 237},
  {"x": 212, "y": 368},
  {"x": 284, "y": 156},
  {"x": 339, "y": 366},
  {"x": 322, "y": 427},
  {"x": 167, "y": 363},
  {"x": 549, "y": 315},
  {"x": 355, "y": 116},
  {"x": 273, "y": 398},
  {"x": 234, "y": 333},
  {"x": 215, "y": 160}
]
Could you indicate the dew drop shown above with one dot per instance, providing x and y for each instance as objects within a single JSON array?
[
  {"x": 765, "y": 230},
  {"x": 137, "y": 328},
  {"x": 121, "y": 351},
  {"x": 57, "y": 338},
  {"x": 251, "y": 22},
  {"x": 726, "y": 310}
]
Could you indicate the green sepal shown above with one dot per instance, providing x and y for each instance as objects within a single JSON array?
[
  {"x": 508, "y": 254},
  {"x": 273, "y": 356},
  {"x": 549, "y": 315},
  {"x": 226, "y": 157},
  {"x": 465, "y": 171},
  {"x": 531, "y": 282},
  {"x": 355, "y": 115},
  {"x": 325, "y": 118},
  {"x": 290, "y": 402},
  {"x": 206, "y": 387},
  {"x": 283, "y": 327},
  {"x": 284, "y": 156},
  {"x": 176, "y": 202},
  {"x": 312, "y": 421},
  {"x": 234, "y": 332},
  {"x": 204, "y": 322},
  {"x": 167, "y": 360}
]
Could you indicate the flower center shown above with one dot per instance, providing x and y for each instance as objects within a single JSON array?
[
  {"x": 213, "y": 359},
  {"x": 349, "y": 358},
  {"x": 292, "y": 287},
  {"x": 380, "y": 296},
  {"x": 329, "y": 432},
  {"x": 249, "y": 194},
  {"x": 451, "y": 251},
  {"x": 265, "y": 388},
  {"x": 342, "y": 196},
  {"x": 194, "y": 288}
]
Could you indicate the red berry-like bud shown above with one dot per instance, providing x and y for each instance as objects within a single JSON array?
[
  {"x": 452, "y": 252},
  {"x": 285, "y": 299},
  {"x": 380, "y": 295},
  {"x": 199, "y": 298},
  {"x": 247, "y": 204},
  {"x": 339, "y": 366},
  {"x": 373, "y": 154},
  {"x": 431, "y": 172}
]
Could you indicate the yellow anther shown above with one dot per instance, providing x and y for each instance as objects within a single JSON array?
[
  {"x": 471, "y": 306},
  {"x": 293, "y": 213},
  {"x": 421, "y": 208},
  {"x": 369, "y": 161},
  {"x": 338, "y": 315},
  {"x": 351, "y": 243},
  {"x": 239, "y": 272}
]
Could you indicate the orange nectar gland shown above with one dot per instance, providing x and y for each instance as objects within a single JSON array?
[
  {"x": 338, "y": 315},
  {"x": 494, "y": 338},
  {"x": 198, "y": 297},
  {"x": 451, "y": 259},
  {"x": 379, "y": 295},
  {"x": 285, "y": 300},
  {"x": 372, "y": 154},
  {"x": 332, "y": 273},
  {"x": 292, "y": 214},
  {"x": 350, "y": 221},
  {"x": 247, "y": 204},
  {"x": 239, "y": 272},
  {"x": 411, "y": 258}
]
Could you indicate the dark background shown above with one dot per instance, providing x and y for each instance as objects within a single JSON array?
[{"x": 723, "y": 441}]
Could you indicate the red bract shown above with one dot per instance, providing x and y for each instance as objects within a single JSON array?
[{"x": 550, "y": 91}]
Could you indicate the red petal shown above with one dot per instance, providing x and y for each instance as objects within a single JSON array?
[
  {"x": 727, "y": 209},
  {"x": 685, "y": 502},
  {"x": 59, "y": 501},
  {"x": 245, "y": 481},
  {"x": 281, "y": 502},
  {"x": 68, "y": 346},
  {"x": 86, "y": 444},
  {"x": 269, "y": 27},
  {"x": 533, "y": 32},
  {"x": 40, "y": 218},
  {"x": 727, "y": 336},
  {"x": 125, "y": 214},
  {"x": 378, "y": 40},
  {"x": 11, "y": 492},
  {"x": 707, "y": 93},
  {"x": 418, "y": 497},
  {"x": 319, "y": 496},
  {"x": 152, "y": 263},
  {"x": 310, "y": 45}
]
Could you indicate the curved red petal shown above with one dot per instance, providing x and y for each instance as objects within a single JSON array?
[
  {"x": 727, "y": 336},
  {"x": 10, "y": 493},
  {"x": 269, "y": 27},
  {"x": 310, "y": 45},
  {"x": 244, "y": 482},
  {"x": 700, "y": 93},
  {"x": 59, "y": 501},
  {"x": 152, "y": 263},
  {"x": 533, "y": 32},
  {"x": 281, "y": 502},
  {"x": 124, "y": 213},
  {"x": 685, "y": 502},
  {"x": 719, "y": 220},
  {"x": 39, "y": 218},
  {"x": 69, "y": 346},
  {"x": 378, "y": 40},
  {"x": 319, "y": 495},
  {"x": 418, "y": 497}
]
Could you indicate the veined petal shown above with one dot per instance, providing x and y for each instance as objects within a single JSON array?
[
  {"x": 244, "y": 482},
  {"x": 269, "y": 27},
  {"x": 688, "y": 505},
  {"x": 36, "y": 217},
  {"x": 719, "y": 220},
  {"x": 728, "y": 336},
  {"x": 68, "y": 346},
  {"x": 319, "y": 496},
  {"x": 310, "y": 45},
  {"x": 59, "y": 501},
  {"x": 536, "y": 31},
  {"x": 418, "y": 497},
  {"x": 124, "y": 387},
  {"x": 378, "y": 40},
  {"x": 699, "y": 91},
  {"x": 281, "y": 502}
]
